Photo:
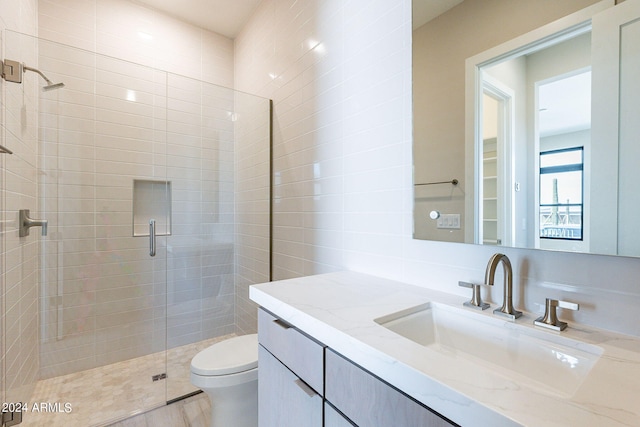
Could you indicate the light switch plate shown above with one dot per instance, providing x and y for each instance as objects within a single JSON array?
[{"x": 449, "y": 221}]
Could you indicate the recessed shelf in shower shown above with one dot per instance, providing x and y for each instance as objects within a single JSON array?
[{"x": 151, "y": 200}]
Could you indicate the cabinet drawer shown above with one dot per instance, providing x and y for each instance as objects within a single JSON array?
[
  {"x": 284, "y": 400},
  {"x": 369, "y": 402},
  {"x": 303, "y": 355}
]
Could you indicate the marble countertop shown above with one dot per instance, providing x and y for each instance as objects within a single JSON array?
[{"x": 339, "y": 309}]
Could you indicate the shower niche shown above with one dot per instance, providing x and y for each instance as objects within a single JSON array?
[{"x": 151, "y": 200}]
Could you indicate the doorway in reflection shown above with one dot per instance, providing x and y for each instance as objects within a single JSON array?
[
  {"x": 536, "y": 112},
  {"x": 493, "y": 218}
]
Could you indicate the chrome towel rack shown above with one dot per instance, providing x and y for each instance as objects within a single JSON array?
[{"x": 452, "y": 182}]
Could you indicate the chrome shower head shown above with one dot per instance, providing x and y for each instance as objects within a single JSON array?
[
  {"x": 53, "y": 86},
  {"x": 50, "y": 85}
]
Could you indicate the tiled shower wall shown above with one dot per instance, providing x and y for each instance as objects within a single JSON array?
[
  {"x": 104, "y": 298},
  {"x": 129, "y": 31},
  {"x": 18, "y": 190},
  {"x": 99, "y": 131},
  {"x": 252, "y": 215},
  {"x": 120, "y": 302},
  {"x": 200, "y": 165}
]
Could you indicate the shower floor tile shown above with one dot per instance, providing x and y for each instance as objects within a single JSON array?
[{"x": 107, "y": 394}]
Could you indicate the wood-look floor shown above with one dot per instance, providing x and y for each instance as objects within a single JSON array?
[{"x": 194, "y": 411}]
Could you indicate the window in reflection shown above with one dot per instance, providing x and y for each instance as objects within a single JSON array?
[{"x": 561, "y": 191}]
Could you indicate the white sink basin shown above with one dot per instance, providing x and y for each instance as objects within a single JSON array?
[{"x": 537, "y": 359}]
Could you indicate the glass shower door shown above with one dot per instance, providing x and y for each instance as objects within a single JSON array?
[
  {"x": 102, "y": 180},
  {"x": 200, "y": 253},
  {"x": 218, "y": 159}
]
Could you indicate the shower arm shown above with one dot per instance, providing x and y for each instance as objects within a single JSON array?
[{"x": 35, "y": 70}]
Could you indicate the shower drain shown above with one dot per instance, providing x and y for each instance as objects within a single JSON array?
[{"x": 161, "y": 376}]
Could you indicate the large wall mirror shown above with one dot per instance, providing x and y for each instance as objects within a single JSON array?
[{"x": 526, "y": 129}]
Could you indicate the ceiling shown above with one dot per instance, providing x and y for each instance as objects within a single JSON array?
[
  {"x": 565, "y": 105},
  {"x": 226, "y": 17}
]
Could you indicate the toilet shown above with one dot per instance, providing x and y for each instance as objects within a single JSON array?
[{"x": 228, "y": 373}]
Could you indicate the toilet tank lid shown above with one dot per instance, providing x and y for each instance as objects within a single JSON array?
[{"x": 230, "y": 356}]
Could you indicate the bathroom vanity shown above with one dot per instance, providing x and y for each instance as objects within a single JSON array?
[
  {"x": 300, "y": 376},
  {"x": 346, "y": 349}
]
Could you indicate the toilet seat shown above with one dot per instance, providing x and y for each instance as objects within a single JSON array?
[{"x": 231, "y": 356}]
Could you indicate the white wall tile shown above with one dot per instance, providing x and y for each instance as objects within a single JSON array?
[
  {"x": 19, "y": 263},
  {"x": 132, "y": 32}
]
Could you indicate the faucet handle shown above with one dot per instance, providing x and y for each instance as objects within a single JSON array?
[
  {"x": 550, "y": 318},
  {"x": 476, "y": 299},
  {"x": 25, "y": 223},
  {"x": 566, "y": 304}
]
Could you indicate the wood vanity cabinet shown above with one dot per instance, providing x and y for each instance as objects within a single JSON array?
[
  {"x": 290, "y": 375},
  {"x": 370, "y": 402},
  {"x": 302, "y": 383},
  {"x": 284, "y": 401}
]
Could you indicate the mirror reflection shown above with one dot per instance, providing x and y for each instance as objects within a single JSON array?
[{"x": 517, "y": 130}]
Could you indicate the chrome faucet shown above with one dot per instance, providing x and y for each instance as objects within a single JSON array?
[{"x": 507, "y": 309}]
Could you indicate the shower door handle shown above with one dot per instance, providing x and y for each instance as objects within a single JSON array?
[{"x": 152, "y": 237}]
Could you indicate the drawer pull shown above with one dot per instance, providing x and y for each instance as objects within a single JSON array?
[
  {"x": 282, "y": 324},
  {"x": 310, "y": 392}
]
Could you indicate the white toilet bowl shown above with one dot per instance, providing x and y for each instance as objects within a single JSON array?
[{"x": 228, "y": 373}]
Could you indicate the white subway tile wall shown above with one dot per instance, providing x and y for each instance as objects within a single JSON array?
[
  {"x": 104, "y": 299},
  {"x": 252, "y": 215},
  {"x": 132, "y": 32},
  {"x": 200, "y": 166},
  {"x": 338, "y": 74},
  {"x": 19, "y": 262}
]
